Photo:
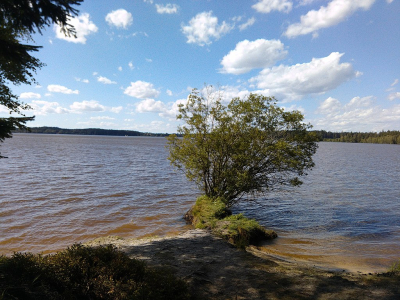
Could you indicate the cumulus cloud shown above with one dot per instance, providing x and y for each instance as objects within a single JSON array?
[
  {"x": 131, "y": 66},
  {"x": 150, "y": 105},
  {"x": 394, "y": 96},
  {"x": 87, "y": 106},
  {"x": 61, "y": 89},
  {"x": 119, "y": 18},
  {"x": 249, "y": 23},
  {"x": 83, "y": 27},
  {"x": 203, "y": 28},
  {"x": 30, "y": 95},
  {"x": 294, "y": 82},
  {"x": 359, "y": 114},
  {"x": 266, "y": 6},
  {"x": 250, "y": 55},
  {"x": 173, "y": 110},
  {"x": 327, "y": 16},
  {"x": 167, "y": 8},
  {"x": 42, "y": 108},
  {"x": 105, "y": 80},
  {"x": 141, "y": 90}
]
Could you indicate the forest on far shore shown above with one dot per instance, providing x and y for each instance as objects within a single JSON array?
[{"x": 383, "y": 137}]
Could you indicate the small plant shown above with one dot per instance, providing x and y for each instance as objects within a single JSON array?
[{"x": 86, "y": 273}]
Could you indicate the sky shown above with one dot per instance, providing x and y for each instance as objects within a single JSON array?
[{"x": 134, "y": 61}]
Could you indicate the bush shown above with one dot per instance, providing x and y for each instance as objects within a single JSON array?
[
  {"x": 212, "y": 214},
  {"x": 86, "y": 273}
]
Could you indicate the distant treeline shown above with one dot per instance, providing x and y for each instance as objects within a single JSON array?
[
  {"x": 90, "y": 131},
  {"x": 383, "y": 137}
]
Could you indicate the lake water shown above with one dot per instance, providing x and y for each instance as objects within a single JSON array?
[{"x": 56, "y": 190}]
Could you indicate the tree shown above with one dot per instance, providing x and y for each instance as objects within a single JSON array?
[
  {"x": 19, "y": 19},
  {"x": 248, "y": 147}
]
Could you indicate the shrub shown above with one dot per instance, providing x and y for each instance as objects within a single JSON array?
[
  {"x": 212, "y": 214},
  {"x": 86, "y": 273}
]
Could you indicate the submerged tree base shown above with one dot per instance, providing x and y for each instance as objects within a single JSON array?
[{"x": 212, "y": 214}]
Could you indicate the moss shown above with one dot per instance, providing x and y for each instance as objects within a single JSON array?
[
  {"x": 212, "y": 214},
  {"x": 86, "y": 273}
]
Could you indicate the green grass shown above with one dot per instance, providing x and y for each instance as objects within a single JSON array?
[
  {"x": 82, "y": 272},
  {"x": 212, "y": 214}
]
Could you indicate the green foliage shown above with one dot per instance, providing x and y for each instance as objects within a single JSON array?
[
  {"x": 18, "y": 20},
  {"x": 383, "y": 137},
  {"x": 212, "y": 214},
  {"x": 85, "y": 273},
  {"x": 249, "y": 146}
]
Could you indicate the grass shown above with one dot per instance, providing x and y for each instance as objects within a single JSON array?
[
  {"x": 212, "y": 214},
  {"x": 82, "y": 272}
]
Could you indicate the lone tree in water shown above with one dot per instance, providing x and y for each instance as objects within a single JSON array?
[
  {"x": 248, "y": 147},
  {"x": 19, "y": 19}
]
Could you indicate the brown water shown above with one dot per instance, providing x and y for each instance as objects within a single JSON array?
[{"x": 59, "y": 189}]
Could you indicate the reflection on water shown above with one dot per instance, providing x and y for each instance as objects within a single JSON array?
[{"x": 59, "y": 189}]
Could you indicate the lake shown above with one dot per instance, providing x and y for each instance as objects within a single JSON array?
[{"x": 56, "y": 190}]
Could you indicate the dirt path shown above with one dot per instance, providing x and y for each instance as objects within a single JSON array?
[{"x": 216, "y": 270}]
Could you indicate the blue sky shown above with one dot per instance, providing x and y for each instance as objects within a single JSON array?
[{"x": 134, "y": 61}]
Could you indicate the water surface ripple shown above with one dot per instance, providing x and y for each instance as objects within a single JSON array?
[{"x": 59, "y": 189}]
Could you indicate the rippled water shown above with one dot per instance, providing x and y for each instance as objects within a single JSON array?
[
  {"x": 59, "y": 189},
  {"x": 347, "y": 212}
]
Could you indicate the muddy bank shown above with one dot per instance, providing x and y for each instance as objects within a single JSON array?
[{"x": 215, "y": 269}]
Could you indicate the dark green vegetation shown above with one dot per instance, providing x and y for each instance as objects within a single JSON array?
[
  {"x": 90, "y": 131},
  {"x": 19, "y": 19},
  {"x": 86, "y": 273},
  {"x": 384, "y": 137},
  {"x": 212, "y": 214},
  {"x": 248, "y": 147}
]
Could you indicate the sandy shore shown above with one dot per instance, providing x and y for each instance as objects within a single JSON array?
[{"x": 215, "y": 269}]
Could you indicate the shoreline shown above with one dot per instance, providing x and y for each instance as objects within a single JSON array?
[{"x": 214, "y": 269}]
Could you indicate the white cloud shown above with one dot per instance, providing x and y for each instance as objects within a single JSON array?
[
  {"x": 119, "y": 18},
  {"x": 359, "y": 114},
  {"x": 169, "y": 92},
  {"x": 105, "y": 80},
  {"x": 131, "y": 66},
  {"x": 42, "y": 108},
  {"x": 204, "y": 27},
  {"x": 119, "y": 68},
  {"x": 149, "y": 60},
  {"x": 394, "y": 96},
  {"x": 83, "y": 27},
  {"x": 61, "y": 89},
  {"x": 266, "y": 6},
  {"x": 171, "y": 112},
  {"x": 396, "y": 81},
  {"x": 250, "y": 55},
  {"x": 150, "y": 105},
  {"x": 329, "y": 105},
  {"x": 327, "y": 16},
  {"x": 102, "y": 118},
  {"x": 141, "y": 90},
  {"x": 82, "y": 80},
  {"x": 148, "y": 1},
  {"x": 30, "y": 95},
  {"x": 87, "y": 106},
  {"x": 294, "y": 82},
  {"x": 389, "y": 1},
  {"x": 116, "y": 110},
  {"x": 249, "y": 23},
  {"x": 167, "y": 8}
]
